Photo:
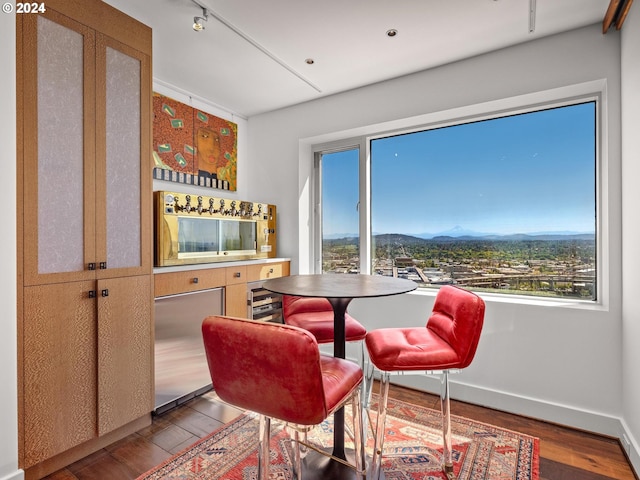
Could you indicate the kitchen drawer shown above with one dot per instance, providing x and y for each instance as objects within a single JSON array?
[
  {"x": 266, "y": 271},
  {"x": 236, "y": 274},
  {"x": 188, "y": 281}
]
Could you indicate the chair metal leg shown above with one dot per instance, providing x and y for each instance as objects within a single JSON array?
[
  {"x": 367, "y": 382},
  {"x": 263, "y": 447},
  {"x": 447, "y": 454},
  {"x": 367, "y": 387},
  {"x": 297, "y": 464},
  {"x": 378, "y": 444},
  {"x": 358, "y": 437}
]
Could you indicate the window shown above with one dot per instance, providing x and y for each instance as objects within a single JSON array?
[
  {"x": 505, "y": 204},
  {"x": 340, "y": 220}
]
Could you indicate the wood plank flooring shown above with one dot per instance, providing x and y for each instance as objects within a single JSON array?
[{"x": 565, "y": 453}]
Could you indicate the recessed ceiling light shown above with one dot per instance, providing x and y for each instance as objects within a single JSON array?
[
  {"x": 309, "y": 61},
  {"x": 392, "y": 33}
]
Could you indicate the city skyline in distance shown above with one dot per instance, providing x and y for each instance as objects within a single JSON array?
[{"x": 462, "y": 233}]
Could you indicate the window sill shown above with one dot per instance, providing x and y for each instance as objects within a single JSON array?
[{"x": 526, "y": 300}]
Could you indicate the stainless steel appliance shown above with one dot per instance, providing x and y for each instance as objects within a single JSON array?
[{"x": 181, "y": 370}]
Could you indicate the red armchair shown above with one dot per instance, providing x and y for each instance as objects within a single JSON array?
[
  {"x": 448, "y": 343},
  {"x": 278, "y": 372},
  {"x": 316, "y": 316}
]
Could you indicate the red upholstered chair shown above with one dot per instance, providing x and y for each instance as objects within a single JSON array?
[
  {"x": 315, "y": 314},
  {"x": 448, "y": 343},
  {"x": 278, "y": 372}
]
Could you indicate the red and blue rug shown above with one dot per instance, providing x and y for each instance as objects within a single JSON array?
[{"x": 481, "y": 451}]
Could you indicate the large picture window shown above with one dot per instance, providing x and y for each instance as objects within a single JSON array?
[{"x": 506, "y": 204}]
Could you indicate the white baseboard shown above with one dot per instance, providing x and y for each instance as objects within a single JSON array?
[
  {"x": 633, "y": 450},
  {"x": 530, "y": 407},
  {"x": 17, "y": 475}
]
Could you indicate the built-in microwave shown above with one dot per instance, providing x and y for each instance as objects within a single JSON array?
[{"x": 199, "y": 229}]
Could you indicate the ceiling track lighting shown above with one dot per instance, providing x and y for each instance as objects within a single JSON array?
[
  {"x": 532, "y": 16},
  {"x": 206, "y": 12},
  {"x": 197, "y": 21}
]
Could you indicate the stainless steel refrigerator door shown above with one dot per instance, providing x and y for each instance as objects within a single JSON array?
[{"x": 181, "y": 370}]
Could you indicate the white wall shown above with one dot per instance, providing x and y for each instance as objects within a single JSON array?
[
  {"x": 631, "y": 223},
  {"x": 552, "y": 362},
  {"x": 8, "y": 319}
]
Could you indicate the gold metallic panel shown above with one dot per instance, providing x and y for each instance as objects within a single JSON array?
[{"x": 194, "y": 229}]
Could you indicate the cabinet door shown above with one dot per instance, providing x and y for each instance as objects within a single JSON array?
[
  {"x": 267, "y": 271},
  {"x": 57, "y": 145},
  {"x": 172, "y": 283},
  {"x": 123, "y": 152},
  {"x": 125, "y": 374},
  {"x": 235, "y": 300},
  {"x": 59, "y": 362}
]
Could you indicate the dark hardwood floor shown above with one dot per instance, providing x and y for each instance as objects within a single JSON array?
[{"x": 565, "y": 453}]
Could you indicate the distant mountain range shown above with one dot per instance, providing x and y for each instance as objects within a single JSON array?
[{"x": 460, "y": 233}]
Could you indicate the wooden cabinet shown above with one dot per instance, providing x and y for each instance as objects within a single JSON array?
[
  {"x": 236, "y": 292},
  {"x": 236, "y": 274},
  {"x": 58, "y": 364},
  {"x": 172, "y": 283},
  {"x": 234, "y": 279},
  {"x": 84, "y": 228},
  {"x": 264, "y": 272},
  {"x": 235, "y": 300},
  {"x": 125, "y": 375}
]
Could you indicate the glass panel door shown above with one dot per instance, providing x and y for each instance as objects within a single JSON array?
[
  {"x": 123, "y": 159},
  {"x": 339, "y": 215},
  {"x": 60, "y": 137}
]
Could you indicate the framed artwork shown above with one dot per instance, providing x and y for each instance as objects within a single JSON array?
[{"x": 192, "y": 146}]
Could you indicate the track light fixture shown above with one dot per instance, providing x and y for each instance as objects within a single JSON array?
[{"x": 197, "y": 21}]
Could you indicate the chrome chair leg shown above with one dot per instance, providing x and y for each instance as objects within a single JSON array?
[
  {"x": 358, "y": 435},
  {"x": 447, "y": 453},
  {"x": 365, "y": 396},
  {"x": 297, "y": 463},
  {"x": 263, "y": 447},
  {"x": 378, "y": 445},
  {"x": 367, "y": 381}
]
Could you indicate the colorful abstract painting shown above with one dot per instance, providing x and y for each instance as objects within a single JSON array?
[{"x": 192, "y": 146}]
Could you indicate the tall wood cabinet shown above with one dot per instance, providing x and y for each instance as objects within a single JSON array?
[{"x": 85, "y": 287}]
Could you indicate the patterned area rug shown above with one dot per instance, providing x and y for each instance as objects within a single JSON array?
[{"x": 481, "y": 451}]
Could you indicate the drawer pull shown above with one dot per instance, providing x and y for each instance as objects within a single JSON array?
[
  {"x": 236, "y": 274},
  {"x": 271, "y": 270},
  {"x": 195, "y": 279}
]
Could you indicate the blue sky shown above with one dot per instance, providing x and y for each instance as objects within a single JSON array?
[{"x": 525, "y": 173}]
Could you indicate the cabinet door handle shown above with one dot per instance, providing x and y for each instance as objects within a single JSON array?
[
  {"x": 92, "y": 294},
  {"x": 103, "y": 265},
  {"x": 105, "y": 292},
  {"x": 91, "y": 266}
]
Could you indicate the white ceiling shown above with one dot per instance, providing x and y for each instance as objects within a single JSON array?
[{"x": 251, "y": 56}]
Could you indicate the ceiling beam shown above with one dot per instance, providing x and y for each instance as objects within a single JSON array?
[{"x": 616, "y": 14}]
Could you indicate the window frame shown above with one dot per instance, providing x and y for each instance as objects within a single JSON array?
[{"x": 361, "y": 138}]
